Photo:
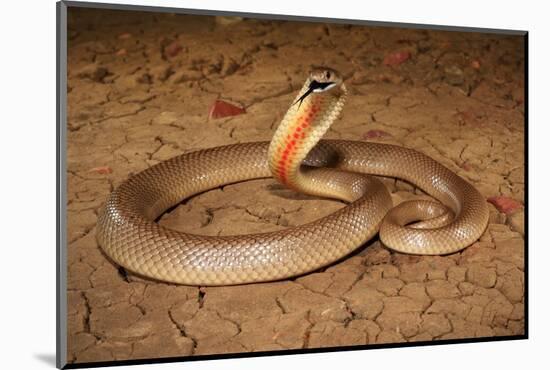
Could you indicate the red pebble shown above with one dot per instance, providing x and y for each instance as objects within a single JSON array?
[
  {"x": 375, "y": 134},
  {"x": 397, "y": 58},
  {"x": 222, "y": 109},
  {"x": 504, "y": 204},
  {"x": 103, "y": 170},
  {"x": 172, "y": 49}
]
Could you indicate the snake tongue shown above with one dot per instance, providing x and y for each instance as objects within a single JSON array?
[{"x": 314, "y": 86}]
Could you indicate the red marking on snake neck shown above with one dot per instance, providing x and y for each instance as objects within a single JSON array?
[{"x": 293, "y": 140}]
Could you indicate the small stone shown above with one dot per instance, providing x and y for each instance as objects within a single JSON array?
[
  {"x": 171, "y": 49},
  {"x": 397, "y": 58},
  {"x": 124, "y": 36},
  {"x": 222, "y": 109},
  {"x": 505, "y": 204},
  {"x": 102, "y": 170}
]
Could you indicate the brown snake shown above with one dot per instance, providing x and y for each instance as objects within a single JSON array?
[{"x": 296, "y": 156}]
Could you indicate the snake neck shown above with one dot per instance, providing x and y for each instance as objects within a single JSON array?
[{"x": 303, "y": 125}]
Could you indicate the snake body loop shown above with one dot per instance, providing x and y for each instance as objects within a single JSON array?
[{"x": 296, "y": 156}]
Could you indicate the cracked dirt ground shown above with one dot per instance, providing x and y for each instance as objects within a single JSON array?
[{"x": 140, "y": 90}]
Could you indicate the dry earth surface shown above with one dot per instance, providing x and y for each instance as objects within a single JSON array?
[{"x": 141, "y": 89}]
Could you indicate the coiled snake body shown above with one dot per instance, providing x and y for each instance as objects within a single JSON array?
[{"x": 296, "y": 156}]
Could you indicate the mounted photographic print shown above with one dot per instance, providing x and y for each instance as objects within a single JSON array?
[{"x": 237, "y": 184}]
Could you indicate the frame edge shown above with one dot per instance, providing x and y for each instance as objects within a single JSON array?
[
  {"x": 286, "y": 17},
  {"x": 61, "y": 187}
]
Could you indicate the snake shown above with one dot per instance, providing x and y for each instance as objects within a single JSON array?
[{"x": 297, "y": 156}]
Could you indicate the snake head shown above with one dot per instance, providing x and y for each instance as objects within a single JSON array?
[{"x": 321, "y": 79}]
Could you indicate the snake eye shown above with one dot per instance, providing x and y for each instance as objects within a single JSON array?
[{"x": 327, "y": 74}]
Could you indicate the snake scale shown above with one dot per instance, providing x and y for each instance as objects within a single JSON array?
[{"x": 298, "y": 158}]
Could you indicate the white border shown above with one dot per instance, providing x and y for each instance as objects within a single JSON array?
[{"x": 28, "y": 182}]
